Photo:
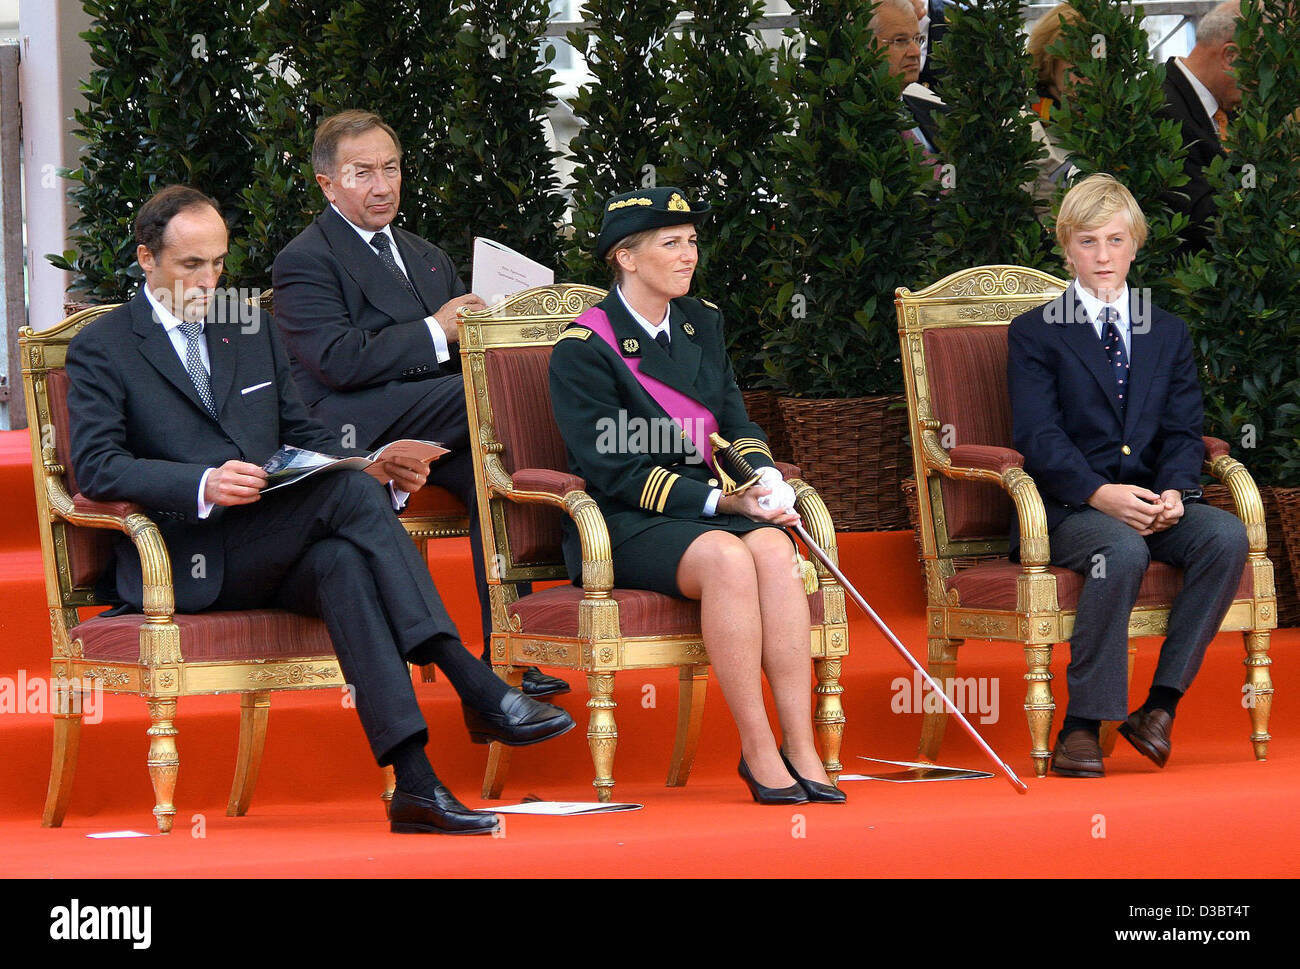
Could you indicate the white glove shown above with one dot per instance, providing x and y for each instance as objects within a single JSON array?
[{"x": 780, "y": 496}]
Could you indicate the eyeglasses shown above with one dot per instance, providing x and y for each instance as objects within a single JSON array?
[{"x": 902, "y": 43}]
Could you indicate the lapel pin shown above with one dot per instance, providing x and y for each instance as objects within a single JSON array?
[
  {"x": 688, "y": 329},
  {"x": 631, "y": 346}
]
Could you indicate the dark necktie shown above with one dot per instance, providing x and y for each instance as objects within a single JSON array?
[
  {"x": 194, "y": 364},
  {"x": 1114, "y": 347},
  {"x": 381, "y": 244},
  {"x": 661, "y": 338}
]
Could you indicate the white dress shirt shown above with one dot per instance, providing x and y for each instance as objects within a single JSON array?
[
  {"x": 1208, "y": 101},
  {"x": 1094, "y": 306},
  {"x": 435, "y": 331}
]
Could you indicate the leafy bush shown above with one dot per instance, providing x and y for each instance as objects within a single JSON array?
[
  {"x": 1242, "y": 298},
  {"x": 170, "y": 100},
  {"x": 724, "y": 113},
  {"x": 856, "y": 204}
]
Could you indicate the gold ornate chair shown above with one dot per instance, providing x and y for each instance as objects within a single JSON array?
[
  {"x": 159, "y": 656},
  {"x": 954, "y": 350},
  {"x": 524, "y": 488}
]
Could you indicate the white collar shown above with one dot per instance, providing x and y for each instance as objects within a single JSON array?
[
  {"x": 646, "y": 324},
  {"x": 366, "y": 234},
  {"x": 1093, "y": 305},
  {"x": 1208, "y": 101},
  {"x": 166, "y": 317}
]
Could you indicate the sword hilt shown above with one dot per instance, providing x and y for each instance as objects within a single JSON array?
[{"x": 744, "y": 470}]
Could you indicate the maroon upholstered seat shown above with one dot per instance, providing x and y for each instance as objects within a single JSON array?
[
  {"x": 250, "y": 635},
  {"x": 992, "y": 585},
  {"x": 554, "y": 612}
]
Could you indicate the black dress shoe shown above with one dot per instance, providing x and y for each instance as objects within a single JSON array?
[
  {"x": 518, "y": 722},
  {"x": 816, "y": 790},
  {"x": 440, "y": 814},
  {"x": 1148, "y": 731},
  {"x": 1078, "y": 754},
  {"x": 536, "y": 683},
  {"x": 794, "y": 794}
]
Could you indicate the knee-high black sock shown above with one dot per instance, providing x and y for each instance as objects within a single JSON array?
[
  {"x": 1072, "y": 724},
  {"x": 1163, "y": 698},
  {"x": 414, "y": 772},
  {"x": 477, "y": 685}
]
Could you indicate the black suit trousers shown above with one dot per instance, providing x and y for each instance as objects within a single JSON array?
[{"x": 332, "y": 547}]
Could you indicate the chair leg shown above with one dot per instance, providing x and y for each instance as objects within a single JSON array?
[
  {"x": 602, "y": 731},
  {"x": 692, "y": 684},
  {"x": 63, "y": 762},
  {"x": 942, "y": 666},
  {"x": 498, "y": 761},
  {"x": 254, "y": 709},
  {"x": 164, "y": 761},
  {"x": 1110, "y": 728},
  {"x": 1039, "y": 705},
  {"x": 828, "y": 715},
  {"x": 1258, "y": 693}
]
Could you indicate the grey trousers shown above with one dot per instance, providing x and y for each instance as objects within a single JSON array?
[{"x": 1208, "y": 544}]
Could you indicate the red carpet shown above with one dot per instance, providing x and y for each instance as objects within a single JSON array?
[{"x": 1214, "y": 811}]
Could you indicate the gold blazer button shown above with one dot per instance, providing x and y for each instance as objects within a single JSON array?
[{"x": 1126, "y": 450}]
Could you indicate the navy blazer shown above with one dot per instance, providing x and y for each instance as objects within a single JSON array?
[
  {"x": 360, "y": 348},
  {"x": 141, "y": 434},
  {"x": 1066, "y": 418}
]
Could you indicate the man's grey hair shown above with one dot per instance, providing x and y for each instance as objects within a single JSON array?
[
  {"x": 1219, "y": 26},
  {"x": 903, "y": 6}
]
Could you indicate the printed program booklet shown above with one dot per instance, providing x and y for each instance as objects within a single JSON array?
[
  {"x": 499, "y": 271},
  {"x": 291, "y": 464}
]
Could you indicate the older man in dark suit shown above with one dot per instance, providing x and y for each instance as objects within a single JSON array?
[
  {"x": 1200, "y": 94},
  {"x": 176, "y": 400},
  {"x": 368, "y": 312},
  {"x": 1107, "y": 411}
]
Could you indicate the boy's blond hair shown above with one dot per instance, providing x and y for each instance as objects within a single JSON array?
[{"x": 1093, "y": 202}]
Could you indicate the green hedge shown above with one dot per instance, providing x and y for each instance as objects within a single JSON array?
[{"x": 821, "y": 209}]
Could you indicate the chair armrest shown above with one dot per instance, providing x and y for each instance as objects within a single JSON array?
[
  {"x": 1245, "y": 493},
  {"x": 1004, "y": 467},
  {"x": 129, "y": 518},
  {"x": 556, "y": 484},
  {"x": 985, "y": 457},
  {"x": 545, "y": 486}
]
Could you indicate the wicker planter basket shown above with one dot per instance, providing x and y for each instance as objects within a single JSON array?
[
  {"x": 855, "y": 454},
  {"x": 763, "y": 410},
  {"x": 1282, "y": 519}
]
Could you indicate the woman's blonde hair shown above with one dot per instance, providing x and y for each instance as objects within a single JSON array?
[
  {"x": 633, "y": 242},
  {"x": 1046, "y": 31},
  {"x": 1094, "y": 201}
]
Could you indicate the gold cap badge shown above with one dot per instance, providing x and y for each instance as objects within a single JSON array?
[{"x": 677, "y": 204}]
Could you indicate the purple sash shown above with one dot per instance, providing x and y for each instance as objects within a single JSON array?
[{"x": 696, "y": 419}]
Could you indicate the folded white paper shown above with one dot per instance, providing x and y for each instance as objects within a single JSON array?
[
  {"x": 499, "y": 271},
  {"x": 561, "y": 808}
]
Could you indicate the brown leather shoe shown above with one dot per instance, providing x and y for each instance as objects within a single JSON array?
[
  {"x": 1148, "y": 731},
  {"x": 1078, "y": 754}
]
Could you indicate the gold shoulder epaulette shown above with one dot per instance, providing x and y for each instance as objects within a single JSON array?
[
  {"x": 574, "y": 333},
  {"x": 712, "y": 306}
]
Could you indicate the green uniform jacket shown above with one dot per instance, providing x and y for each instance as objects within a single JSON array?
[{"x": 638, "y": 467}]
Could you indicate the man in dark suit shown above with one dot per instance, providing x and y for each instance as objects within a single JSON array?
[
  {"x": 1107, "y": 411},
  {"x": 1200, "y": 94},
  {"x": 897, "y": 30},
  {"x": 177, "y": 399},
  {"x": 368, "y": 312},
  {"x": 933, "y": 24}
]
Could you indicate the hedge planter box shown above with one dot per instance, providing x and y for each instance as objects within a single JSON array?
[{"x": 854, "y": 452}]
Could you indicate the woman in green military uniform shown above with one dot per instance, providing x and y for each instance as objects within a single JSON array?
[{"x": 637, "y": 383}]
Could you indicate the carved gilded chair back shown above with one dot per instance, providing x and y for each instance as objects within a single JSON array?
[{"x": 954, "y": 349}]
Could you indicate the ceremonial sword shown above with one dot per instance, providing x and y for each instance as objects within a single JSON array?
[{"x": 746, "y": 470}]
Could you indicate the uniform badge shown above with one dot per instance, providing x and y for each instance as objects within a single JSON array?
[
  {"x": 631, "y": 346},
  {"x": 677, "y": 204},
  {"x": 688, "y": 329}
]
